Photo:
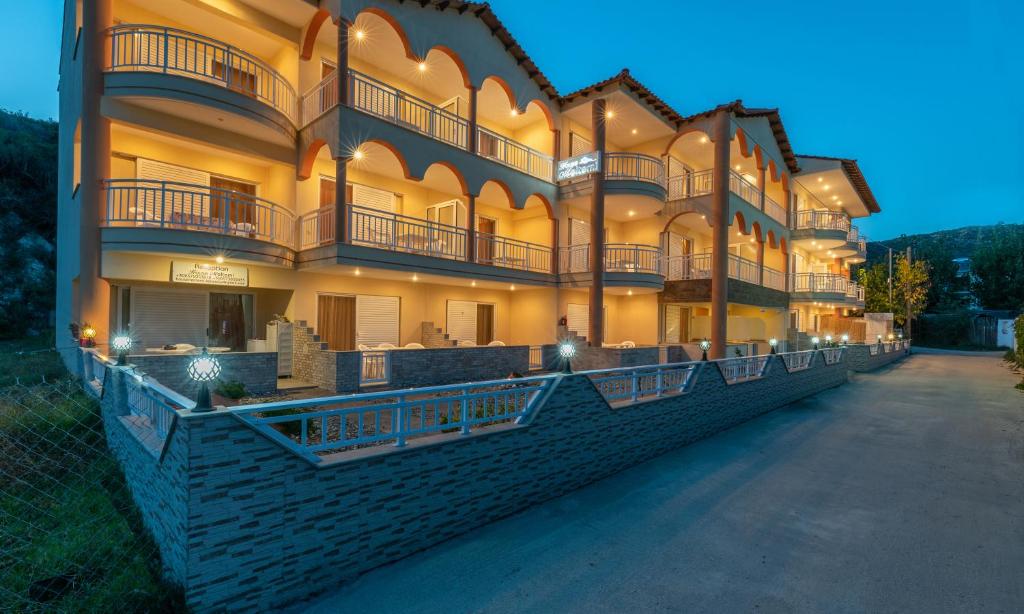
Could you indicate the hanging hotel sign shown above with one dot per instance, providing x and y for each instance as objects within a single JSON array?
[
  {"x": 577, "y": 166},
  {"x": 209, "y": 274}
]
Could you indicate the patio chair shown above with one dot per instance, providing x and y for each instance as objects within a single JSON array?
[
  {"x": 414, "y": 346},
  {"x": 496, "y": 343},
  {"x": 466, "y": 343}
]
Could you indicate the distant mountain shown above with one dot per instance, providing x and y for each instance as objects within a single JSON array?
[{"x": 957, "y": 243}]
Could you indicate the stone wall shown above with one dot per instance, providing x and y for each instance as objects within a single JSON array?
[
  {"x": 860, "y": 359},
  {"x": 312, "y": 362},
  {"x": 745, "y": 293},
  {"x": 432, "y": 336},
  {"x": 257, "y": 371},
  {"x": 440, "y": 366}
]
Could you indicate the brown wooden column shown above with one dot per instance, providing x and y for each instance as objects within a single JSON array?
[
  {"x": 471, "y": 142},
  {"x": 720, "y": 235},
  {"x": 471, "y": 228},
  {"x": 790, "y": 206},
  {"x": 340, "y": 190},
  {"x": 342, "y": 156},
  {"x": 93, "y": 290},
  {"x": 554, "y": 246},
  {"x": 761, "y": 185},
  {"x": 760, "y": 262},
  {"x": 596, "y": 333},
  {"x": 342, "y": 60}
]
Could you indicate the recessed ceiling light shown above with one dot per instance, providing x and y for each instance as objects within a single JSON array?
[
  {"x": 834, "y": 197},
  {"x": 422, "y": 66},
  {"x": 634, "y": 130},
  {"x": 820, "y": 179},
  {"x": 415, "y": 277},
  {"x": 219, "y": 259},
  {"x": 827, "y": 187},
  {"x": 360, "y": 35},
  {"x": 357, "y": 154},
  {"x": 473, "y": 283},
  {"x": 358, "y": 272},
  {"x": 703, "y": 139},
  {"x": 512, "y": 288},
  {"x": 609, "y": 114},
  {"x": 737, "y": 167},
  {"x": 629, "y": 292},
  {"x": 632, "y": 213},
  {"x": 513, "y": 112}
]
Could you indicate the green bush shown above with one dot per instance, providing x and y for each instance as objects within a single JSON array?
[
  {"x": 1018, "y": 330},
  {"x": 231, "y": 390}
]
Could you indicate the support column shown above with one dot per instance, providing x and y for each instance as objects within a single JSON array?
[
  {"x": 720, "y": 235},
  {"x": 471, "y": 143},
  {"x": 340, "y": 189},
  {"x": 93, "y": 290},
  {"x": 554, "y": 246},
  {"x": 761, "y": 184},
  {"x": 760, "y": 262},
  {"x": 342, "y": 156},
  {"x": 788, "y": 197},
  {"x": 596, "y": 332},
  {"x": 471, "y": 228}
]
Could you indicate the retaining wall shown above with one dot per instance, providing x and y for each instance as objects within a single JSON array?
[
  {"x": 440, "y": 366},
  {"x": 860, "y": 359},
  {"x": 245, "y": 524},
  {"x": 256, "y": 370}
]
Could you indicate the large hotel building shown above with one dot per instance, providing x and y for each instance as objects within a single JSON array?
[{"x": 400, "y": 173}]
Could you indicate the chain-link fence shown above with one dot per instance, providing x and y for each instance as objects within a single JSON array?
[{"x": 70, "y": 537}]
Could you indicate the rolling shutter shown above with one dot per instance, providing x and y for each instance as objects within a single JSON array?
[
  {"x": 160, "y": 317},
  {"x": 578, "y": 319},
  {"x": 672, "y": 321},
  {"x": 193, "y": 201},
  {"x": 377, "y": 320},
  {"x": 461, "y": 322},
  {"x": 579, "y": 145},
  {"x": 372, "y": 198}
]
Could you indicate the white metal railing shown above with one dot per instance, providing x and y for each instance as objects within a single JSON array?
[
  {"x": 739, "y": 186},
  {"x": 151, "y": 401},
  {"x": 832, "y": 355},
  {"x": 185, "y": 206},
  {"x": 743, "y": 368},
  {"x": 688, "y": 266},
  {"x": 821, "y": 220},
  {"x": 317, "y": 228},
  {"x": 374, "y": 368},
  {"x": 639, "y": 383},
  {"x": 511, "y": 153},
  {"x": 94, "y": 369},
  {"x": 743, "y": 269},
  {"x": 403, "y": 109},
  {"x": 149, "y": 48},
  {"x": 634, "y": 166},
  {"x": 874, "y": 348},
  {"x": 320, "y": 99},
  {"x": 618, "y": 258},
  {"x": 339, "y": 423},
  {"x": 819, "y": 282},
  {"x": 691, "y": 184},
  {"x": 402, "y": 233},
  {"x": 798, "y": 361},
  {"x": 855, "y": 291},
  {"x": 774, "y": 279},
  {"x": 774, "y": 210},
  {"x": 536, "y": 357},
  {"x": 496, "y": 250}
]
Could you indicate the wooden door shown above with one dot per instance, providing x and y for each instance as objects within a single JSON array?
[
  {"x": 235, "y": 202},
  {"x": 484, "y": 324},
  {"x": 485, "y": 244},
  {"x": 336, "y": 321}
]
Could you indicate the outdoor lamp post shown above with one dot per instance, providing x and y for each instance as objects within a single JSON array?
[
  {"x": 705, "y": 345},
  {"x": 891, "y": 336},
  {"x": 204, "y": 368},
  {"x": 828, "y": 341},
  {"x": 844, "y": 339},
  {"x": 566, "y": 351},
  {"x": 774, "y": 343},
  {"x": 121, "y": 344},
  {"x": 879, "y": 339},
  {"x": 89, "y": 336},
  {"x": 815, "y": 341}
]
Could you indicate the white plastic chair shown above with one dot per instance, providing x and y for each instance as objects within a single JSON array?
[
  {"x": 628, "y": 344},
  {"x": 497, "y": 343},
  {"x": 414, "y": 346},
  {"x": 466, "y": 343},
  {"x": 386, "y": 346}
]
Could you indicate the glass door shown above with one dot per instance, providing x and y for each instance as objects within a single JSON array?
[{"x": 231, "y": 320}]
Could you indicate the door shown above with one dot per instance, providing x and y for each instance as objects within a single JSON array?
[
  {"x": 377, "y": 320},
  {"x": 234, "y": 202},
  {"x": 461, "y": 323},
  {"x": 579, "y": 245},
  {"x": 487, "y": 228},
  {"x": 231, "y": 320},
  {"x": 484, "y": 323},
  {"x": 163, "y": 316},
  {"x": 336, "y": 321},
  {"x": 676, "y": 324}
]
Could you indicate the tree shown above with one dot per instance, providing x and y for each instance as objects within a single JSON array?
[
  {"x": 909, "y": 280},
  {"x": 998, "y": 270}
]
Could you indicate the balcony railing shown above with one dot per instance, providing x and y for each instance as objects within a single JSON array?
[
  {"x": 744, "y": 189},
  {"x": 821, "y": 220},
  {"x": 855, "y": 236},
  {"x": 855, "y": 291},
  {"x": 183, "y": 206},
  {"x": 698, "y": 266},
  {"x": 510, "y": 153},
  {"x": 820, "y": 282},
  {"x": 496, "y": 250},
  {"x": 403, "y": 109},
  {"x": 635, "y": 167},
  {"x": 146, "y": 48},
  {"x": 690, "y": 185},
  {"x": 774, "y": 279},
  {"x": 742, "y": 269},
  {"x": 774, "y": 210},
  {"x": 402, "y": 233},
  {"x": 618, "y": 258}
]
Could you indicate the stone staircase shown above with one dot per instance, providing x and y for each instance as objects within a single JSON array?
[{"x": 432, "y": 337}]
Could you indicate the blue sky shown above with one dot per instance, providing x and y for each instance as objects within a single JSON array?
[{"x": 927, "y": 95}]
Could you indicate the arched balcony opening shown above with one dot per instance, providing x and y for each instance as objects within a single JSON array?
[
  {"x": 689, "y": 165},
  {"x": 510, "y": 234},
  {"x": 514, "y": 133}
]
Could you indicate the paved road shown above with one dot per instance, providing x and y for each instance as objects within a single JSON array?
[{"x": 900, "y": 492}]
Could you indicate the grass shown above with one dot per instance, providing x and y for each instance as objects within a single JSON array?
[
  {"x": 71, "y": 539},
  {"x": 29, "y": 360}
]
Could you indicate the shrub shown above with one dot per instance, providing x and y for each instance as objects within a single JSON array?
[{"x": 231, "y": 390}]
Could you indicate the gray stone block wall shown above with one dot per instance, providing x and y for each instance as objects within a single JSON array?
[
  {"x": 256, "y": 370},
  {"x": 860, "y": 359},
  {"x": 440, "y": 366},
  {"x": 312, "y": 362}
]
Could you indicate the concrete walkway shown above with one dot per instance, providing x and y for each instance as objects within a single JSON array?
[{"x": 900, "y": 492}]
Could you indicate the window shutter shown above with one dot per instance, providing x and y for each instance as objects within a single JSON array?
[
  {"x": 373, "y": 198},
  {"x": 160, "y": 317},
  {"x": 578, "y": 319},
  {"x": 461, "y": 325},
  {"x": 176, "y": 204},
  {"x": 672, "y": 319},
  {"x": 377, "y": 320},
  {"x": 579, "y": 145}
]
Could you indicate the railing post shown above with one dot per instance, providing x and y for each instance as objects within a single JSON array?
[
  {"x": 464, "y": 409},
  {"x": 166, "y": 37},
  {"x": 400, "y": 423},
  {"x": 635, "y": 382}
]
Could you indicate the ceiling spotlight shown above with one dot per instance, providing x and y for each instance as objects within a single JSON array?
[
  {"x": 609, "y": 114},
  {"x": 514, "y": 112},
  {"x": 737, "y": 167},
  {"x": 629, "y": 292},
  {"x": 512, "y": 288},
  {"x": 632, "y": 213},
  {"x": 834, "y": 197},
  {"x": 634, "y": 130},
  {"x": 415, "y": 277},
  {"x": 358, "y": 273},
  {"x": 703, "y": 140},
  {"x": 422, "y": 66},
  {"x": 358, "y": 154},
  {"x": 219, "y": 259},
  {"x": 827, "y": 187},
  {"x": 360, "y": 35},
  {"x": 473, "y": 283}
]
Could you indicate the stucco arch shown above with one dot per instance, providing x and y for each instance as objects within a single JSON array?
[
  {"x": 510, "y": 200},
  {"x": 305, "y": 167},
  {"x": 668, "y": 223},
  {"x": 544, "y": 109},
  {"x": 681, "y": 134},
  {"x": 394, "y": 151},
  {"x": 544, "y": 201},
  {"x": 758, "y": 233},
  {"x": 463, "y": 186},
  {"x": 738, "y": 218},
  {"x": 310, "y": 32}
]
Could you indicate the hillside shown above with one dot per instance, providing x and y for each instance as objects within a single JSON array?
[
  {"x": 28, "y": 212},
  {"x": 957, "y": 243}
]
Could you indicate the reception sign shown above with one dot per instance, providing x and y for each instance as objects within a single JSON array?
[
  {"x": 577, "y": 166},
  {"x": 209, "y": 274}
]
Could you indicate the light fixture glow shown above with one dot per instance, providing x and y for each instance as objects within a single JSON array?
[
  {"x": 513, "y": 112},
  {"x": 566, "y": 352},
  {"x": 422, "y": 66},
  {"x": 121, "y": 344},
  {"x": 704, "y": 346},
  {"x": 827, "y": 187},
  {"x": 634, "y": 130},
  {"x": 203, "y": 369},
  {"x": 473, "y": 283},
  {"x": 845, "y": 338},
  {"x": 834, "y": 197},
  {"x": 737, "y": 167},
  {"x": 360, "y": 35},
  {"x": 358, "y": 154},
  {"x": 820, "y": 179},
  {"x": 629, "y": 292},
  {"x": 773, "y": 342},
  {"x": 358, "y": 272},
  {"x": 219, "y": 259},
  {"x": 631, "y": 213},
  {"x": 815, "y": 341},
  {"x": 512, "y": 288},
  {"x": 415, "y": 277},
  {"x": 703, "y": 140}
]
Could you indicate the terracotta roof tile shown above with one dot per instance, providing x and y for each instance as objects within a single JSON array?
[
  {"x": 624, "y": 78},
  {"x": 856, "y": 177}
]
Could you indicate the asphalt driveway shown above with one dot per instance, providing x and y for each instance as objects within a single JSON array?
[{"x": 902, "y": 491}]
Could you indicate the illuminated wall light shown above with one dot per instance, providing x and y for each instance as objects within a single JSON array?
[
  {"x": 358, "y": 154},
  {"x": 219, "y": 259},
  {"x": 629, "y": 292},
  {"x": 422, "y": 66},
  {"x": 631, "y": 213},
  {"x": 415, "y": 277},
  {"x": 512, "y": 288},
  {"x": 514, "y": 112},
  {"x": 360, "y": 35},
  {"x": 609, "y": 114},
  {"x": 358, "y": 272},
  {"x": 820, "y": 179}
]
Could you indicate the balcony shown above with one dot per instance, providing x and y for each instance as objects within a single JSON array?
[
  {"x": 401, "y": 234},
  {"x": 856, "y": 247},
  {"x": 820, "y": 287},
  {"x": 688, "y": 279},
  {"x": 625, "y": 264},
  {"x": 144, "y": 57},
  {"x": 140, "y": 213},
  {"x": 400, "y": 108},
  {"x": 626, "y": 174},
  {"x": 824, "y": 229},
  {"x": 701, "y": 183}
]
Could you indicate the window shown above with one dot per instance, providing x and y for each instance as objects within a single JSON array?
[
  {"x": 237, "y": 79},
  {"x": 234, "y": 201}
]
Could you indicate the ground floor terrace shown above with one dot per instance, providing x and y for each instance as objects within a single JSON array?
[{"x": 900, "y": 492}]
